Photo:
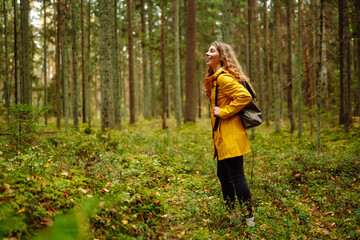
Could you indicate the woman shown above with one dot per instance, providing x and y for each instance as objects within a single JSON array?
[{"x": 230, "y": 138}]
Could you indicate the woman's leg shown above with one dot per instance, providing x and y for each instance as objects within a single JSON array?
[
  {"x": 227, "y": 185},
  {"x": 235, "y": 171}
]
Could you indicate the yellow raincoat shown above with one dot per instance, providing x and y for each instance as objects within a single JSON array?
[{"x": 230, "y": 139}]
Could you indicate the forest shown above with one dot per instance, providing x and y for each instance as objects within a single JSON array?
[{"x": 105, "y": 128}]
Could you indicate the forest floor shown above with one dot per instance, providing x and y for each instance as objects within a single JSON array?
[{"x": 147, "y": 183}]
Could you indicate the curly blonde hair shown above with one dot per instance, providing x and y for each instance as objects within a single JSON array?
[{"x": 229, "y": 62}]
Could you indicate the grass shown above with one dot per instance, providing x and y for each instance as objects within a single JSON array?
[{"x": 146, "y": 183}]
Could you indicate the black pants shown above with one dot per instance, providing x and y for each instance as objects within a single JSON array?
[{"x": 232, "y": 177}]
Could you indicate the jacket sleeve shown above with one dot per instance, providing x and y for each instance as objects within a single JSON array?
[{"x": 235, "y": 91}]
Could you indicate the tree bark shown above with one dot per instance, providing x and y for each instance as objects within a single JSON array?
[
  {"x": 74, "y": 64},
  {"x": 106, "y": 67},
  {"x": 267, "y": 64},
  {"x": 45, "y": 66},
  {"x": 227, "y": 22},
  {"x": 190, "y": 104},
  {"x": 306, "y": 54},
  {"x": 163, "y": 66},
  {"x": 65, "y": 62},
  {"x": 178, "y": 103},
  {"x": 7, "y": 81},
  {"x": 299, "y": 63},
  {"x": 131, "y": 64},
  {"x": 57, "y": 21},
  {"x": 88, "y": 67},
  {"x": 15, "y": 54},
  {"x": 357, "y": 42},
  {"x": 347, "y": 66},
  {"x": 152, "y": 70},
  {"x": 320, "y": 63},
  {"x": 26, "y": 85},
  {"x": 290, "y": 105},
  {"x": 83, "y": 63},
  {"x": 341, "y": 60},
  {"x": 258, "y": 73},
  {"x": 115, "y": 71},
  {"x": 277, "y": 57},
  {"x": 145, "y": 62}
]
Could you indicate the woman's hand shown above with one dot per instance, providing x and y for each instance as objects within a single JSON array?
[{"x": 215, "y": 111}]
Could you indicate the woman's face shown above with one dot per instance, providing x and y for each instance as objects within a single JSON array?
[{"x": 212, "y": 57}]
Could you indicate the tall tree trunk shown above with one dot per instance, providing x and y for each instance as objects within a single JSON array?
[
  {"x": 299, "y": 63},
  {"x": 178, "y": 107},
  {"x": 267, "y": 63},
  {"x": 259, "y": 76},
  {"x": 45, "y": 66},
  {"x": 106, "y": 68},
  {"x": 88, "y": 67},
  {"x": 65, "y": 62},
  {"x": 74, "y": 64},
  {"x": 290, "y": 105},
  {"x": 347, "y": 66},
  {"x": 320, "y": 63},
  {"x": 152, "y": 71},
  {"x": 190, "y": 104},
  {"x": 357, "y": 42},
  {"x": 7, "y": 81},
  {"x": 83, "y": 63},
  {"x": 227, "y": 22},
  {"x": 26, "y": 85},
  {"x": 145, "y": 62},
  {"x": 163, "y": 66},
  {"x": 62, "y": 56},
  {"x": 131, "y": 64},
  {"x": 58, "y": 52},
  {"x": 277, "y": 58},
  {"x": 15, "y": 54},
  {"x": 341, "y": 60},
  {"x": 115, "y": 71},
  {"x": 306, "y": 53}
]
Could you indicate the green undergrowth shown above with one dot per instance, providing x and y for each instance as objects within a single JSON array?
[{"x": 147, "y": 183}]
